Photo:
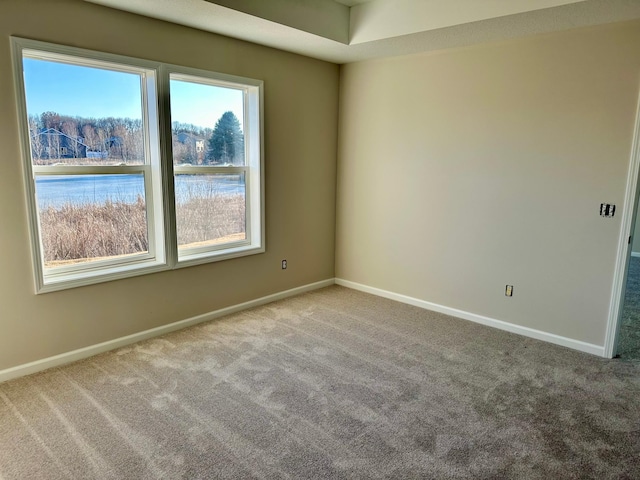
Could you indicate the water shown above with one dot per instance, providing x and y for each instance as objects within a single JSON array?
[{"x": 56, "y": 190}]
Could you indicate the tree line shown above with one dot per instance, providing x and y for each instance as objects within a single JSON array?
[
  {"x": 108, "y": 137},
  {"x": 122, "y": 139}
]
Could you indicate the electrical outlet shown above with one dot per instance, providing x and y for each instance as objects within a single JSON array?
[
  {"x": 508, "y": 291},
  {"x": 607, "y": 210},
  {"x": 284, "y": 264}
]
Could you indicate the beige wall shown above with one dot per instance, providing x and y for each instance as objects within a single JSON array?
[
  {"x": 464, "y": 171},
  {"x": 301, "y": 101}
]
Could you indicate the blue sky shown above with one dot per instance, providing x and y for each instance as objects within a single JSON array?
[
  {"x": 203, "y": 105},
  {"x": 91, "y": 92}
]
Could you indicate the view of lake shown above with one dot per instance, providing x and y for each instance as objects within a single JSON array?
[{"x": 56, "y": 190}]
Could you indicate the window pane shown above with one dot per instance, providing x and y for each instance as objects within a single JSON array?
[
  {"x": 207, "y": 124},
  {"x": 85, "y": 218},
  {"x": 82, "y": 115},
  {"x": 210, "y": 209}
]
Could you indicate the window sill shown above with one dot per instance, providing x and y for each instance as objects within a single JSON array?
[
  {"x": 52, "y": 283},
  {"x": 193, "y": 259}
]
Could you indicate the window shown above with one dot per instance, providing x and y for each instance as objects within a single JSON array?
[
  {"x": 213, "y": 184},
  {"x": 134, "y": 166}
]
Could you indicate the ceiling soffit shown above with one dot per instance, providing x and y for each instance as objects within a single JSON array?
[
  {"x": 325, "y": 18},
  {"x": 324, "y": 38}
]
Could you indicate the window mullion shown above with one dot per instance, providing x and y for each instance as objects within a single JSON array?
[{"x": 167, "y": 167}]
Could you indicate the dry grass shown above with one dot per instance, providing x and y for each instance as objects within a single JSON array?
[
  {"x": 80, "y": 233},
  {"x": 204, "y": 219}
]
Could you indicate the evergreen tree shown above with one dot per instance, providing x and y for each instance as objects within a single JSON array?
[{"x": 227, "y": 141}]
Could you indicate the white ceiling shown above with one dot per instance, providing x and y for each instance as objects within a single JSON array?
[{"x": 344, "y": 31}]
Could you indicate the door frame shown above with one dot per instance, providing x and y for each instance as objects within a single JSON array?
[{"x": 629, "y": 212}]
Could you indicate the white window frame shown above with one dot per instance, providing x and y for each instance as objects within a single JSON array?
[
  {"x": 254, "y": 181},
  {"x": 158, "y": 170}
]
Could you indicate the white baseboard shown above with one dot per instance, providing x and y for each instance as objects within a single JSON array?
[
  {"x": 491, "y": 322},
  {"x": 75, "y": 355},
  {"x": 635, "y": 254},
  {"x": 68, "y": 357}
]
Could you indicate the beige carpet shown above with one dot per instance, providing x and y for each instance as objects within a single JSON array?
[{"x": 331, "y": 384}]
